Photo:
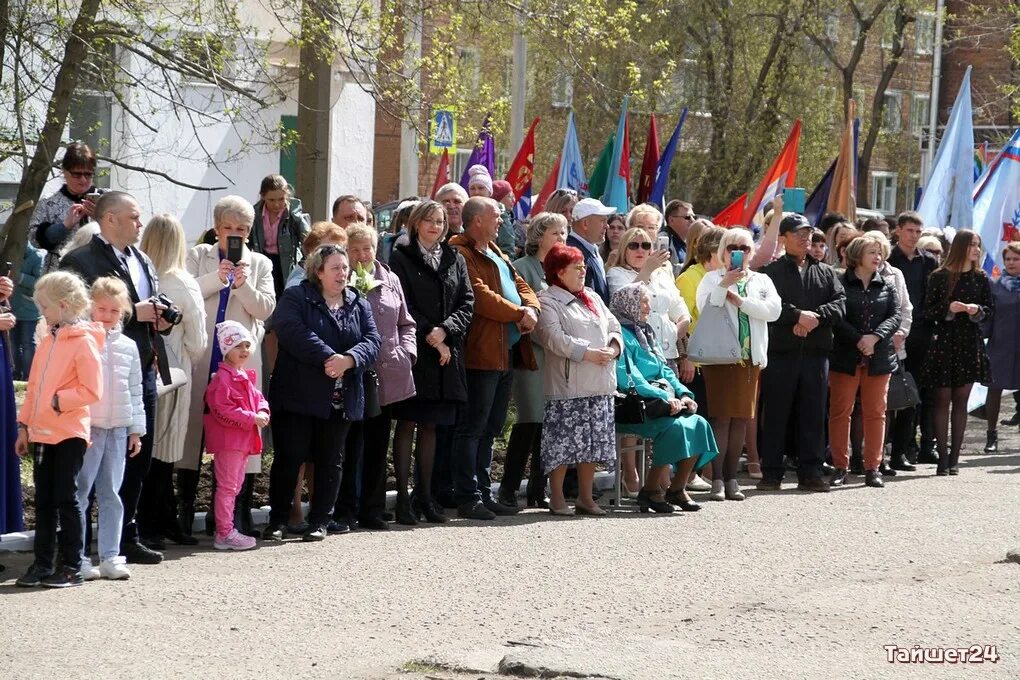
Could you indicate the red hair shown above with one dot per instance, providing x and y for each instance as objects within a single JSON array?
[{"x": 557, "y": 259}]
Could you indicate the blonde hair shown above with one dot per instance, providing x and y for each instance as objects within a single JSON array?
[
  {"x": 857, "y": 248},
  {"x": 694, "y": 233},
  {"x": 362, "y": 232},
  {"x": 233, "y": 206},
  {"x": 927, "y": 241},
  {"x": 539, "y": 224},
  {"x": 618, "y": 258},
  {"x": 733, "y": 237},
  {"x": 644, "y": 209},
  {"x": 882, "y": 240},
  {"x": 164, "y": 242},
  {"x": 112, "y": 288},
  {"x": 65, "y": 289}
]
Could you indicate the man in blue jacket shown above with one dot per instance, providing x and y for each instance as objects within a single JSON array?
[{"x": 587, "y": 234}]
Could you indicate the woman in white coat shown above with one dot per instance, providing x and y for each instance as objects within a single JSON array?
[
  {"x": 165, "y": 244},
  {"x": 751, "y": 302},
  {"x": 241, "y": 292}
]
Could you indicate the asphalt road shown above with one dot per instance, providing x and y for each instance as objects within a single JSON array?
[{"x": 779, "y": 586}]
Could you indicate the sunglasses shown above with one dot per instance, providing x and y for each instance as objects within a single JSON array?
[
  {"x": 644, "y": 245},
  {"x": 328, "y": 250},
  {"x": 81, "y": 175},
  {"x": 932, "y": 251},
  {"x": 741, "y": 248},
  {"x": 689, "y": 218}
]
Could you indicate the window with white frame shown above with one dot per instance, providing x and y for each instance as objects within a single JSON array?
[
  {"x": 910, "y": 191},
  {"x": 883, "y": 192},
  {"x": 562, "y": 89},
  {"x": 892, "y": 111},
  {"x": 919, "y": 111},
  {"x": 924, "y": 33},
  {"x": 469, "y": 62},
  {"x": 460, "y": 163}
]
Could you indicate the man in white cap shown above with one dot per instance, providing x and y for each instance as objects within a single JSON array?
[
  {"x": 587, "y": 234},
  {"x": 453, "y": 197}
]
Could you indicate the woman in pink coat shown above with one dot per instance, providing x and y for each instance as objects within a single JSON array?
[{"x": 235, "y": 414}]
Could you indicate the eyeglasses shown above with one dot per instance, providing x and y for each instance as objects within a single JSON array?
[
  {"x": 432, "y": 220},
  {"x": 81, "y": 175},
  {"x": 328, "y": 250},
  {"x": 742, "y": 248},
  {"x": 643, "y": 245},
  {"x": 579, "y": 267},
  {"x": 563, "y": 192},
  {"x": 686, "y": 217}
]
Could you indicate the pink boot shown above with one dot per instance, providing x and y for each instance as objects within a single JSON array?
[{"x": 234, "y": 541}]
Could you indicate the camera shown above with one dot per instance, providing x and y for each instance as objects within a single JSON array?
[{"x": 172, "y": 314}]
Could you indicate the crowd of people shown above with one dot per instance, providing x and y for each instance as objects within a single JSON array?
[{"x": 822, "y": 351}]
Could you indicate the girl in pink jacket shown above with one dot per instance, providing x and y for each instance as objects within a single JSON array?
[
  {"x": 54, "y": 423},
  {"x": 235, "y": 414}
]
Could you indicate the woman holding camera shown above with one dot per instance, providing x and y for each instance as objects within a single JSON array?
[{"x": 237, "y": 285}]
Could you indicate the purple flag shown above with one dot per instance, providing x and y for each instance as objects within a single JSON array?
[{"x": 484, "y": 153}]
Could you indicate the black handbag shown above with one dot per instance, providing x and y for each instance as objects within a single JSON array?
[
  {"x": 628, "y": 406},
  {"x": 372, "y": 407},
  {"x": 902, "y": 390}
]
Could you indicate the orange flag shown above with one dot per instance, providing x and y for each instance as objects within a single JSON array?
[{"x": 843, "y": 195}]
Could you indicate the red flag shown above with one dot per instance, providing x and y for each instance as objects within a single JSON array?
[
  {"x": 732, "y": 214},
  {"x": 625, "y": 155},
  {"x": 522, "y": 170},
  {"x": 548, "y": 188},
  {"x": 781, "y": 174},
  {"x": 442, "y": 174},
  {"x": 650, "y": 164}
]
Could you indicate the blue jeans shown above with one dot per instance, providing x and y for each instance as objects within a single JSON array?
[
  {"x": 104, "y": 467},
  {"x": 479, "y": 421},
  {"x": 23, "y": 347}
]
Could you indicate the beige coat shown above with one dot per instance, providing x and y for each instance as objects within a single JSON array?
[
  {"x": 184, "y": 345},
  {"x": 251, "y": 305}
]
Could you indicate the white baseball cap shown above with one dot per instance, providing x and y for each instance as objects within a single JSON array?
[{"x": 587, "y": 207}]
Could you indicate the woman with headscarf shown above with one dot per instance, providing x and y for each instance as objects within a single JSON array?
[{"x": 682, "y": 439}]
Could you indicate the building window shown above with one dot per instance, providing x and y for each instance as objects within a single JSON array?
[
  {"x": 924, "y": 33},
  {"x": 469, "y": 62},
  {"x": 460, "y": 163},
  {"x": 883, "y": 192},
  {"x": 910, "y": 192},
  {"x": 562, "y": 89},
  {"x": 919, "y": 111},
  {"x": 892, "y": 111}
]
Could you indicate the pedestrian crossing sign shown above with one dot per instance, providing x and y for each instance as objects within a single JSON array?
[{"x": 444, "y": 131}]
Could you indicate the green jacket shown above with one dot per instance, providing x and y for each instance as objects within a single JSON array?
[{"x": 294, "y": 226}]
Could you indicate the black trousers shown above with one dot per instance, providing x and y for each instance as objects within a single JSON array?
[
  {"x": 157, "y": 507},
  {"x": 794, "y": 389},
  {"x": 525, "y": 443},
  {"x": 363, "y": 482},
  {"x": 442, "y": 474},
  {"x": 136, "y": 469},
  {"x": 907, "y": 421},
  {"x": 299, "y": 439},
  {"x": 56, "y": 497}
]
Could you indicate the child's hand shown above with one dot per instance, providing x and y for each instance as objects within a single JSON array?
[
  {"x": 21, "y": 446},
  {"x": 261, "y": 418},
  {"x": 134, "y": 445}
]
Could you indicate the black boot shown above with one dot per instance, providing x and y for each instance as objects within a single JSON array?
[
  {"x": 992, "y": 442},
  {"x": 885, "y": 469},
  {"x": 900, "y": 462},
  {"x": 187, "y": 489},
  {"x": 242, "y": 507},
  {"x": 856, "y": 464},
  {"x": 403, "y": 512}
]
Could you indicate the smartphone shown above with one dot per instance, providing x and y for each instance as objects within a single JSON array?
[
  {"x": 93, "y": 196},
  {"x": 234, "y": 245},
  {"x": 794, "y": 200},
  {"x": 8, "y": 269},
  {"x": 737, "y": 259},
  {"x": 662, "y": 242}
]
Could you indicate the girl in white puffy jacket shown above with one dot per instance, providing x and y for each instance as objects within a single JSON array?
[{"x": 118, "y": 424}]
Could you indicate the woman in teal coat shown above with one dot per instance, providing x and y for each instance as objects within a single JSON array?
[{"x": 681, "y": 439}]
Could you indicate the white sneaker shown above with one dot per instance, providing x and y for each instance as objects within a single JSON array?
[
  {"x": 89, "y": 571},
  {"x": 733, "y": 492},
  {"x": 699, "y": 484},
  {"x": 114, "y": 569},
  {"x": 718, "y": 491}
]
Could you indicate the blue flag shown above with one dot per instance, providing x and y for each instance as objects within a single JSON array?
[
  {"x": 571, "y": 166},
  {"x": 947, "y": 200},
  {"x": 658, "y": 195},
  {"x": 997, "y": 203},
  {"x": 618, "y": 182}
]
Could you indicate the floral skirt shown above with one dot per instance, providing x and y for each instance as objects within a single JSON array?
[{"x": 578, "y": 431}]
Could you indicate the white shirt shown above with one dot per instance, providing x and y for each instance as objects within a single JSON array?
[{"x": 133, "y": 264}]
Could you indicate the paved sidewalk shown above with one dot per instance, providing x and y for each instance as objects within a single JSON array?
[{"x": 779, "y": 586}]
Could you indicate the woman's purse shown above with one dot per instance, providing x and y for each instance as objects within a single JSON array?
[
  {"x": 903, "y": 391},
  {"x": 372, "y": 407},
  {"x": 629, "y": 407},
  {"x": 714, "y": 341}
]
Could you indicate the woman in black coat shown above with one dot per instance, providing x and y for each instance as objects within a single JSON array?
[
  {"x": 327, "y": 340},
  {"x": 435, "y": 281},
  {"x": 863, "y": 358}
]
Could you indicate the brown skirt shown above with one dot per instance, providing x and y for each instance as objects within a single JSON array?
[{"x": 732, "y": 390}]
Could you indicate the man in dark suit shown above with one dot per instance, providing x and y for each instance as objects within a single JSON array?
[
  {"x": 587, "y": 234},
  {"x": 112, "y": 252}
]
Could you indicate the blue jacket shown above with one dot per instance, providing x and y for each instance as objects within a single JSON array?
[
  {"x": 594, "y": 275},
  {"x": 309, "y": 335},
  {"x": 22, "y": 303},
  {"x": 645, "y": 367}
]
